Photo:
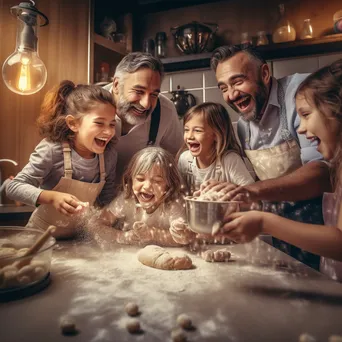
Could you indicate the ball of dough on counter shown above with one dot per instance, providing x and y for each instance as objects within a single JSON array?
[
  {"x": 158, "y": 257},
  {"x": 132, "y": 309},
  {"x": 219, "y": 255},
  {"x": 133, "y": 326},
  {"x": 68, "y": 326},
  {"x": 306, "y": 338},
  {"x": 177, "y": 335},
  {"x": 184, "y": 321}
]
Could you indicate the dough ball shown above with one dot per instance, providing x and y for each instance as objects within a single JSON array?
[
  {"x": 220, "y": 255},
  {"x": 306, "y": 338},
  {"x": 335, "y": 338},
  {"x": 177, "y": 335},
  {"x": 132, "y": 309},
  {"x": 157, "y": 257},
  {"x": 184, "y": 321},
  {"x": 133, "y": 326},
  {"x": 6, "y": 243},
  {"x": 68, "y": 326}
]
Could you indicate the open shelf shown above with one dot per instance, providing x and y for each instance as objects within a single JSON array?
[
  {"x": 110, "y": 45},
  {"x": 299, "y": 48}
]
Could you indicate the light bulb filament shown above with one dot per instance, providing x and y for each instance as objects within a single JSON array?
[{"x": 24, "y": 82}]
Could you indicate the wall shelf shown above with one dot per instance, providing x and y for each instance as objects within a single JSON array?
[
  {"x": 110, "y": 45},
  {"x": 299, "y": 48}
]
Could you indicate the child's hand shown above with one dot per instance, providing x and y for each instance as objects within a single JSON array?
[
  {"x": 242, "y": 227},
  {"x": 143, "y": 232},
  {"x": 180, "y": 232},
  {"x": 63, "y": 202}
]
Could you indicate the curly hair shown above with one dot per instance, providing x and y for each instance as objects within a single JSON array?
[
  {"x": 64, "y": 99},
  {"x": 323, "y": 89}
]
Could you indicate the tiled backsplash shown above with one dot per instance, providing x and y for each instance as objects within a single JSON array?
[{"x": 203, "y": 85}]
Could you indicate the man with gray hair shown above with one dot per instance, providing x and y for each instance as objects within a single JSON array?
[
  {"x": 287, "y": 164},
  {"x": 144, "y": 116}
]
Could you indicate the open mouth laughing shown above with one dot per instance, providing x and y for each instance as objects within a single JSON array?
[
  {"x": 194, "y": 146},
  {"x": 145, "y": 197},
  {"x": 314, "y": 140},
  {"x": 243, "y": 103},
  {"x": 101, "y": 142}
]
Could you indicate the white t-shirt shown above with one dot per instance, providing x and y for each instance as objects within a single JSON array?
[
  {"x": 233, "y": 170},
  {"x": 129, "y": 212}
]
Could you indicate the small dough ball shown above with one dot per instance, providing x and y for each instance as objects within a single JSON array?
[
  {"x": 132, "y": 309},
  {"x": 6, "y": 243},
  {"x": 335, "y": 338},
  {"x": 24, "y": 280},
  {"x": 133, "y": 326},
  {"x": 26, "y": 270},
  {"x": 306, "y": 338},
  {"x": 68, "y": 326},
  {"x": 222, "y": 255},
  {"x": 177, "y": 335},
  {"x": 184, "y": 321},
  {"x": 208, "y": 255}
]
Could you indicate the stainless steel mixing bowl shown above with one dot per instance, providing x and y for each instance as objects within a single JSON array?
[
  {"x": 202, "y": 216},
  {"x": 195, "y": 37}
]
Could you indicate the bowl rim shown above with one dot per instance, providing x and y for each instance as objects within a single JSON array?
[
  {"x": 193, "y": 199},
  {"x": 51, "y": 241}
]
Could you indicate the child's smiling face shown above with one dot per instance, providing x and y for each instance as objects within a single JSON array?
[
  {"x": 317, "y": 127},
  {"x": 150, "y": 187},
  {"x": 94, "y": 130}
]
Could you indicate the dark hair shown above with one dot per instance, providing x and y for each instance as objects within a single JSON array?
[
  {"x": 138, "y": 60},
  {"x": 143, "y": 161},
  {"x": 64, "y": 99},
  {"x": 219, "y": 121},
  {"x": 323, "y": 89},
  {"x": 223, "y": 53}
]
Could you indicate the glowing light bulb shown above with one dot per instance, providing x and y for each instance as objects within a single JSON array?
[{"x": 23, "y": 71}]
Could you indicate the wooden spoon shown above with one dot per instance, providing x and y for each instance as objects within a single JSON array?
[{"x": 35, "y": 247}]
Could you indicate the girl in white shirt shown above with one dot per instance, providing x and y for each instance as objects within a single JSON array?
[{"x": 212, "y": 150}]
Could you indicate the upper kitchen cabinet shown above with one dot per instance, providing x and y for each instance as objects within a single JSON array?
[{"x": 111, "y": 38}]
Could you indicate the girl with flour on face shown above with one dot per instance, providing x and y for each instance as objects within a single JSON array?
[
  {"x": 149, "y": 204},
  {"x": 319, "y": 105},
  {"x": 74, "y": 165}
]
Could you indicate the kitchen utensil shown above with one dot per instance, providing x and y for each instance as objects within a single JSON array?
[
  {"x": 195, "y": 37},
  {"x": 160, "y": 44},
  {"x": 205, "y": 217},
  {"x": 29, "y": 261},
  {"x": 182, "y": 100}
]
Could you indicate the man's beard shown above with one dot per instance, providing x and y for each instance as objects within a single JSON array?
[
  {"x": 260, "y": 99},
  {"x": 123, "y": 108}
]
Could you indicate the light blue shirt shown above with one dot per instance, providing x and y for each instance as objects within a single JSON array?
[{"x": 267, "y": 132}]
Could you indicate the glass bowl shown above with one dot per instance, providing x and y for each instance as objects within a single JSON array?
[
  {"x": 17, "y": 271},
  {"x": 204, "y": 216}
]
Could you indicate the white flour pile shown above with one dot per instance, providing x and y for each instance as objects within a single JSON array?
[{"x": 104, "y": 282}]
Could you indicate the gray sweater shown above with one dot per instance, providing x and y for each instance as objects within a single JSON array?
[{"x": 46, "y": 167}]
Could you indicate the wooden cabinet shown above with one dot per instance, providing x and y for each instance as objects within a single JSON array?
[{"x": 107, "y": 53}]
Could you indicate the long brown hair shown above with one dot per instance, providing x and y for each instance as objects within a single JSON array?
[
  {"x": 143, "y": 161},
  {"x": 323, "y": 89},
  {"x": 64, "y": 99},
  {"x": 219, "y": 121}
]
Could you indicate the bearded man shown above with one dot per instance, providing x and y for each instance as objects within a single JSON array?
[
  {"x": 144, "y": 116},
  {"x": 292, "y": 176}
]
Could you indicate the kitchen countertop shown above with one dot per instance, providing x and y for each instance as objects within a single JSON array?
[{"x": 262, "y": 295}]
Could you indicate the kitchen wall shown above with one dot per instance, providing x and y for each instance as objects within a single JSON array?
[{"x": 63, "y": 46}]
